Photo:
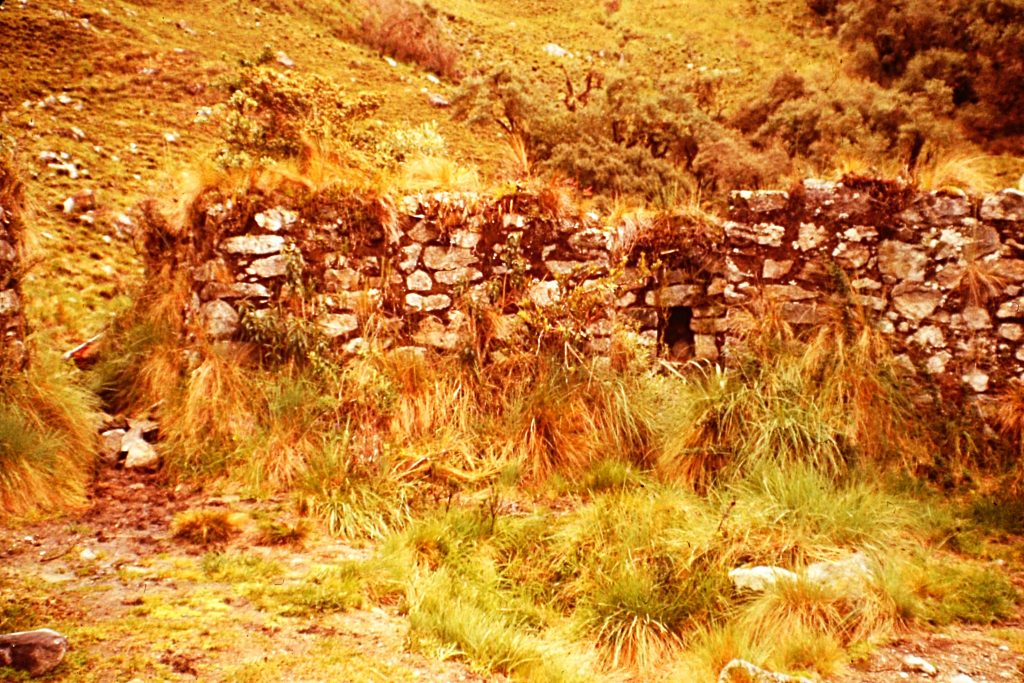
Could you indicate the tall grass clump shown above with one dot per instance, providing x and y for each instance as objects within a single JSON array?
[
  {"x": 410, "y": 32},
  {"x": 47, "y": 439},
  {"x": 836, "y": 399}
]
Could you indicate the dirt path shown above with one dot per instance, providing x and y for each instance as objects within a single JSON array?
[{"x": 138, "y": 605}]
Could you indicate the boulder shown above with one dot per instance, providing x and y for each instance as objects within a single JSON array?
[{"x": 35, "y": 652}]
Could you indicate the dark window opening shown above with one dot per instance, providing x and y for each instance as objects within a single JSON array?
[{"x": 677, "y": 335}]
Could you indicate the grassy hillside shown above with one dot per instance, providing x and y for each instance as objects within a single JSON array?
[{"x": 117, "y": 86}]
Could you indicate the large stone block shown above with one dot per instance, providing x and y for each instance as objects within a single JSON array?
[
  {"x": 900, "y": 261},
  {"x": 253, "y": 245},
  {"x": 1007, "y": 205}
]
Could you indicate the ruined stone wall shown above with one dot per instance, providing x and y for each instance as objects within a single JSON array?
[
  {"x": 12, "y": 321},
  {"x": 941, "y": 274}
]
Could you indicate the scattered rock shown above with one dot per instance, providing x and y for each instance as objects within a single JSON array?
[
  {"x": 919, "y": 665},
  {"x": 759, "y": 578},
  {"x": 438, "y": 101},
  {"x": 742, "y": 671},
  {"x": 36, "y": 652}
]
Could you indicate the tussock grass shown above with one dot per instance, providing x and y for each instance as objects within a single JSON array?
[
  {"x": 205, "y": 527},
  {"x": 47, "y": 439}
]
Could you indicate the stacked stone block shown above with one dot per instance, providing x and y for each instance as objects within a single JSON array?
[
  {"x": 940, "y": 273},
  {"x": 12, "y": 320}
]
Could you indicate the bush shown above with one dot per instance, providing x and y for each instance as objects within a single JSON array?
[
  {"x": 410, "y": 33},
  {"x": 278, "y": 115},
  {"x": 971, "y": 50}
]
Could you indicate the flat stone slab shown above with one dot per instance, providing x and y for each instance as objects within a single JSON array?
[{"x": 36, "y": 652}]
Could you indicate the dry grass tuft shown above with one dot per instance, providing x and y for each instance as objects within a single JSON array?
[{"x": 205, "y": 527}]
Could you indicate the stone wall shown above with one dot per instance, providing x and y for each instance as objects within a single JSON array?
[
  {"x": 941, "y": 273},
  {"x": 12, "y": 321}
]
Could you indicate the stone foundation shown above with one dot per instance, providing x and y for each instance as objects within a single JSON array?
[{"x": 941, "y": 274}]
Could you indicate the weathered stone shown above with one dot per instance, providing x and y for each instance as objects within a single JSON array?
[
  {"x": 1013, "y": 308},
  {"x": 936, "y": 208},
  {"x": 458, "y": 276},
  {"x": 865, "y": 283},
  {"x": 433, "y": 332},
  {"x": 1010, "y": 270},
  {"x": 673, "y": 296},
  {"x": 875, "y": 303},
  {"x": 219, "y": 320},
  {"x": 849, "y": 576},
  {"x": 270, "y": 267},
  {"x": 10, "y": 302},
  {"x": 209, "y": 271},
  {"x": 340, "y": 280},
  {"x": 705, "y": 346},
  {"x": 141, "y": 455},
  {"x": 764, "y": 234},
  {"x": 337, "y": 324},
  {"x": 467, "y": 239},
  {"x": 410, "y": 257},
  {"x": 1011, "y": 331},
  {"x": 773, "y": 269},
  {"x": 545, "y": 293},
  {"x": 810, "y": 236},
  {"x": 110, "y": 444},
  {"x": 852, "y": 256},
  {"x": 860, "y": 233},
  {"x": 234, "y": 290},
  {"x": 741, "y": 671},
  {"x": 253, "y": 245},
  {"x": 439, "y": 258},
  {"x": 915, "y": 303},
  {"x": 565, "y": 268},
  {"x": 900, "y": 261},
  {"x": 419, "y": 281},
  {"x": 627, "y": 299},
  {"x": 434, "y": 302},
  {"x": 950, "y": 276},
  {"x": 589, "y": 240},
  {"x": 7, "y": 251},
  {"x": 936, "y": 364},
  {"x": 836, "y": 201},
  {"x": 918, "y": 665},
  {"x": 802, "y": 314},
  {"x": 275, "y": 219},
  {"x": 423, "y": 232},
  {"x": 734, "y": 273},
  {"x": 508, "y": 327},
  {"x": 929, "y": 335},
  {"x": 35, "y": 652},
  {"x": 1007, "y": 205},
  {"x": 758, "y": 201},
  {"x": 977, "y": 318},
  {"x": 976, "y": 380},
  {"x": 788, "y": 293},
  {"x": 760, "y": 578}
]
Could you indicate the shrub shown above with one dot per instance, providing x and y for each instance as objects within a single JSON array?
[
  {"x": 410, "y": 33},
  {"x": 278, "y": 115}
]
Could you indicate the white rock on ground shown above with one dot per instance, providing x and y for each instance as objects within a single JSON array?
[
  {"x": 919, "y": 665},
  {"x": 742, "y": 671},
  {"x": 759, "y": 578}
]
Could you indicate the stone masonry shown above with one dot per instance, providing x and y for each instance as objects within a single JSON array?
[
  {"x": 12, "y": 321},
  {"x": 941, "y": 274}
]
